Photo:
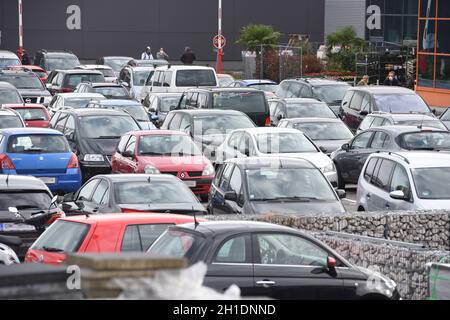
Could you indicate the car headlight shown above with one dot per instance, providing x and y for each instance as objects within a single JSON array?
[
  {"x": 149, "y": 169},
  {"x": 209, "y": 170},
  {"x": 93, "y": 157},
  {"x": 329, "y": 168}
]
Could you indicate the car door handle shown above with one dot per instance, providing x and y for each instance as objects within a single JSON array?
[
  {"x": 265, "y": 283},
  {"x": 368, "y": 196},
  {"x": 95, "y": 209}
]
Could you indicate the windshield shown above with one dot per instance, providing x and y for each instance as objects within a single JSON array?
[
  {"x": 62, "y": 63},
  {"x": 225, "y": 81},
  {"x": 432, "y": 183},
  {"x": 153, "y": 192},
  {"x": 10, "y": 122},
  {"x": 194, "y": 78},
  {"x": 32, "y": 114},
  {"x": 137, "y": 111},
  {"x": 167, "y": 145},
  {"x": 112, "y": 92},
  {"x": 78, "y": 102},
  {"x": 38, "y": 143},
  {"x": 62, "y": 236},
  {"x": 286, "y": 142},
  {"x": 106, "y": 127},
  {"x": 425, "y": 140},
  {"x": 276, "y": 183},
  {"x": 167, "y": 102},
  {"x": 330, "y": 93},
  {"x": 313, "y": 110},
  {"x": 10, "y": 96},
  {"x": 107, "y": 72},
  {"x": 265, "y": 87},
  {"x": 176, "y": 244},
  {"x": 240, "y": 101},
  {"x": 400, "y": 103},
  {"x": 425, "y": 123},
  {"x": 9, "y": 62},
  {"x": 31, "y": 199},
  {"x": 23, "y": 81},
  {"x": 220, "y": 124},
  {"x": 117, "y": 63},
  {"x": 140, "y": 77},
  {"x": 72, "y": 80},
  {"x": 325, "y": 130}
]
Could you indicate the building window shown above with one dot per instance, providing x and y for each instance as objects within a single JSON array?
[
  {"x": 443, "y": 72},
  {"x": 425, "y": 68},
  {"x": 428, "y": 9}
]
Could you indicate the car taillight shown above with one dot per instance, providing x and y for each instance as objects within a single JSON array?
[
  {"x": 5, "y": 163},
  {"x": 62, "y": 90},
  {"x": 73, "y": 162},
  {"x": 55, "y": 217},
  {"x": 267, "y": 123}
]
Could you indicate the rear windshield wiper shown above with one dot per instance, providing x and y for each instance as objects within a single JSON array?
[
  {"x": 52, "y": 249},
  {"x": 151, "y": 154},
  {"x": 108, "y": 137}
]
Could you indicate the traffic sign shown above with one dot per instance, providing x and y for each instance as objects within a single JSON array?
[{"x": 219, "y": 38}]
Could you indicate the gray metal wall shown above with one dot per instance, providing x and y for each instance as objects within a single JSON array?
[
  {"x": 125, "y": 27},
  {"x": 344, "y": 13}
]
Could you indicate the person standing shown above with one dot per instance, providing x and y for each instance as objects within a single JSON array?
[
  {"x": 162, "y": 54},
  {"x": 391, "y": 80},
  {"x": 188, "y": 56},
  {"x": 364, "y": 81},
  {"x": 147, "y": 54}
]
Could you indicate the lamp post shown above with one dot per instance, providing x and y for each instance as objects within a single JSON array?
[
  {"x": 220, "y": 44},
  {"x": 20, "y": 50}
]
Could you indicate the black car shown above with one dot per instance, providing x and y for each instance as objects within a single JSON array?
[
  {"x": 267, "y": 260},
  {"x": 350, "y": 157},
  {"x": 207, "y": 127},
  {"x": 359, "y": 101},
  {"x": 29, "y": 85},
  {"x": 250, "y": 101},
  {"x": 9, "y": 94},
  {"x": 272, "y": 185},
  {"x": 298, "y": 108},
  {"x": 93, "y": 135},
  {"x": 67, "y": 80},
  {"x": 329, "y": 91},
  {"x": 107, "y": 89},
  {"x": 50, "y": 60},
  {"x": 116, "y": 193},
  {"x": 26, "y": 208}
]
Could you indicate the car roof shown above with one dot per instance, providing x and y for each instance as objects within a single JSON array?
[
  {"x": 19, "y": 72},
  {"x": 183, "y": 67},
  {"x": 80, "y": 71},
  {"x": 117, "y": 57},
  {"x": 403, "y": 129},
  {"x": 104, "y": 84},
  {"x": 19, "y": 182},
  {"x": 137, "y": 177},
  {"x": 140, "y": 68},
  {"x": 420, "y": 159},
  {"x": 304, "y": 120},
  {"x": 28, "y": 67},
  {"x": 201, "y": 112},
  {"x": 80, "y": 95},
  {"x": 94, "y": 66},
  {"x": 271, "y": 162},
  {"x": 383, "y": 89},
  {"x": 130, "y": 217},
  {"x": 159, "y": 132},
  {"x": 226, "y": 89},
  {"x": 166, "y": 94},
  {"x": 319, "y": 81},
  {"x": 94, "y": 112},
  {"x": 24, "y": 106},
  {"x": 56, "y": 52},
  {"x": 302, "y": 100},
  {"x": 256, "y": 81},
  {"x": 221, "y": 227},
  {"x": 8, "y": 112},
  {"x": 12, "y": 131},
  {"x": 118, "y": 102},
  {"x": 8, "y": 54},
  {"x": 405, "y": 116},
  {"x": 7, "y": 85},
  {"x": 263, "y": 130}
]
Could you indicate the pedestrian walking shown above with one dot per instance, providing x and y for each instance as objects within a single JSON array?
[
  {"x": 188, "y": 56},
  {"x": 161, "y": 54},
  {"x": 364, "y": 81},
  {"x": 147, "y": 54},
  {"x": 391, "y": 80}
]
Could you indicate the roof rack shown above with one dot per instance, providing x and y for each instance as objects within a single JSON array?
[{"x": 395, "y": 154}]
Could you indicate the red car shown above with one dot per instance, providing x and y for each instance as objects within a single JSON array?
[
  {"x": 34, "y": 115},
  {"x": 164, "y": 151},
  {"x": 104, "y": 233},
  {"x": 41, "y": 73}
]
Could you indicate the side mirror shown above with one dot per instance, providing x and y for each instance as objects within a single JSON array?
[
  {"x": 231, "y": 196},
  {"x": 345, "y": 147},
  {"x": 70, "y": 136},
  {"x": 331, "y": 263},
  {"x": 434, "y": 111},
  {"x": 154, "y": 117},
  {"x": 398, "y": 195},
  {"x": 247, "y": 152},
  {"x": 363, "y": 113},
  {"x": 341, "y": 193},
  {"x": 323, "y": 149},
  {"x": 280, "y": 116}
]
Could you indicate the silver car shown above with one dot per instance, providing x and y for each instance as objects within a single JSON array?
[{"x": 404, "y": 181}]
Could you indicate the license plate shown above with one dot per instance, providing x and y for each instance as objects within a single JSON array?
[
  {"x": 16, "y": 227},
  {"x": 190, "y": 184},
  {"x": 48, "y": 180}
]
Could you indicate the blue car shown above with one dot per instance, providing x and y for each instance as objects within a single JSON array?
[{"x": 43, "y": 153}]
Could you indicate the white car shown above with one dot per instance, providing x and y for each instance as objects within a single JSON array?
[
  {"x": 8, "y": 59},
  {"x": 414, "y": 180},
  {"x": 107, "y": 71},
  {"x": 135, "y": 78},
  {"x": 73, "y": 100},
  {"x": 275, "y": 142}
]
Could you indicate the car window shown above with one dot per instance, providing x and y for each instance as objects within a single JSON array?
[
  {"x": 195, "y": 78},
  {"x": 361, "y": 141},
  {"x": 185, "y": 124},
  {"x": 286, "y": 249},
  {"x": 224, "y": 184},
  {"x": 100, "y": 191},
  {"x": 294, "y": 90},
  {"x": 233, "y": 142},
  {"x": 356, "y": 102},
  {"x": 218, "y": 175},
  {"x": 365, "y": 105},
  {"x": 70, "y": 125},
  {"x": 400, "y": 180},
  {"x": 381, "y": 180},
  {"x": 59, "y": 125},
  {"x": 282, "y": 89},
  {"x": 370, "y": 169},
  {"x": 167, "y": 79},
  {"x": 176, "y": 120},
  {"x": 236, "y": 181},
  {"x": 234, "y": 250},
  {"x": 306, "y": 92},
  {"x": 246, "y": 145},
  {"x": 378, "y": 141},
  {"x": 347, "y": 98},
  {"x": 123, "y": 142},
  {"x": 54, "y": 120},
  {"x": 201, "y": 101},
  {"x": 139, "y": 238},
  {"x": 86, "y": 191},
  {"x": 377, "y": 122},
  {"x": 131, "y": 146},
  {"x": 158, "y": 78}
]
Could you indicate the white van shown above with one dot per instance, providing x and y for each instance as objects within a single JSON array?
[{"x": 180, "y": 78}]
